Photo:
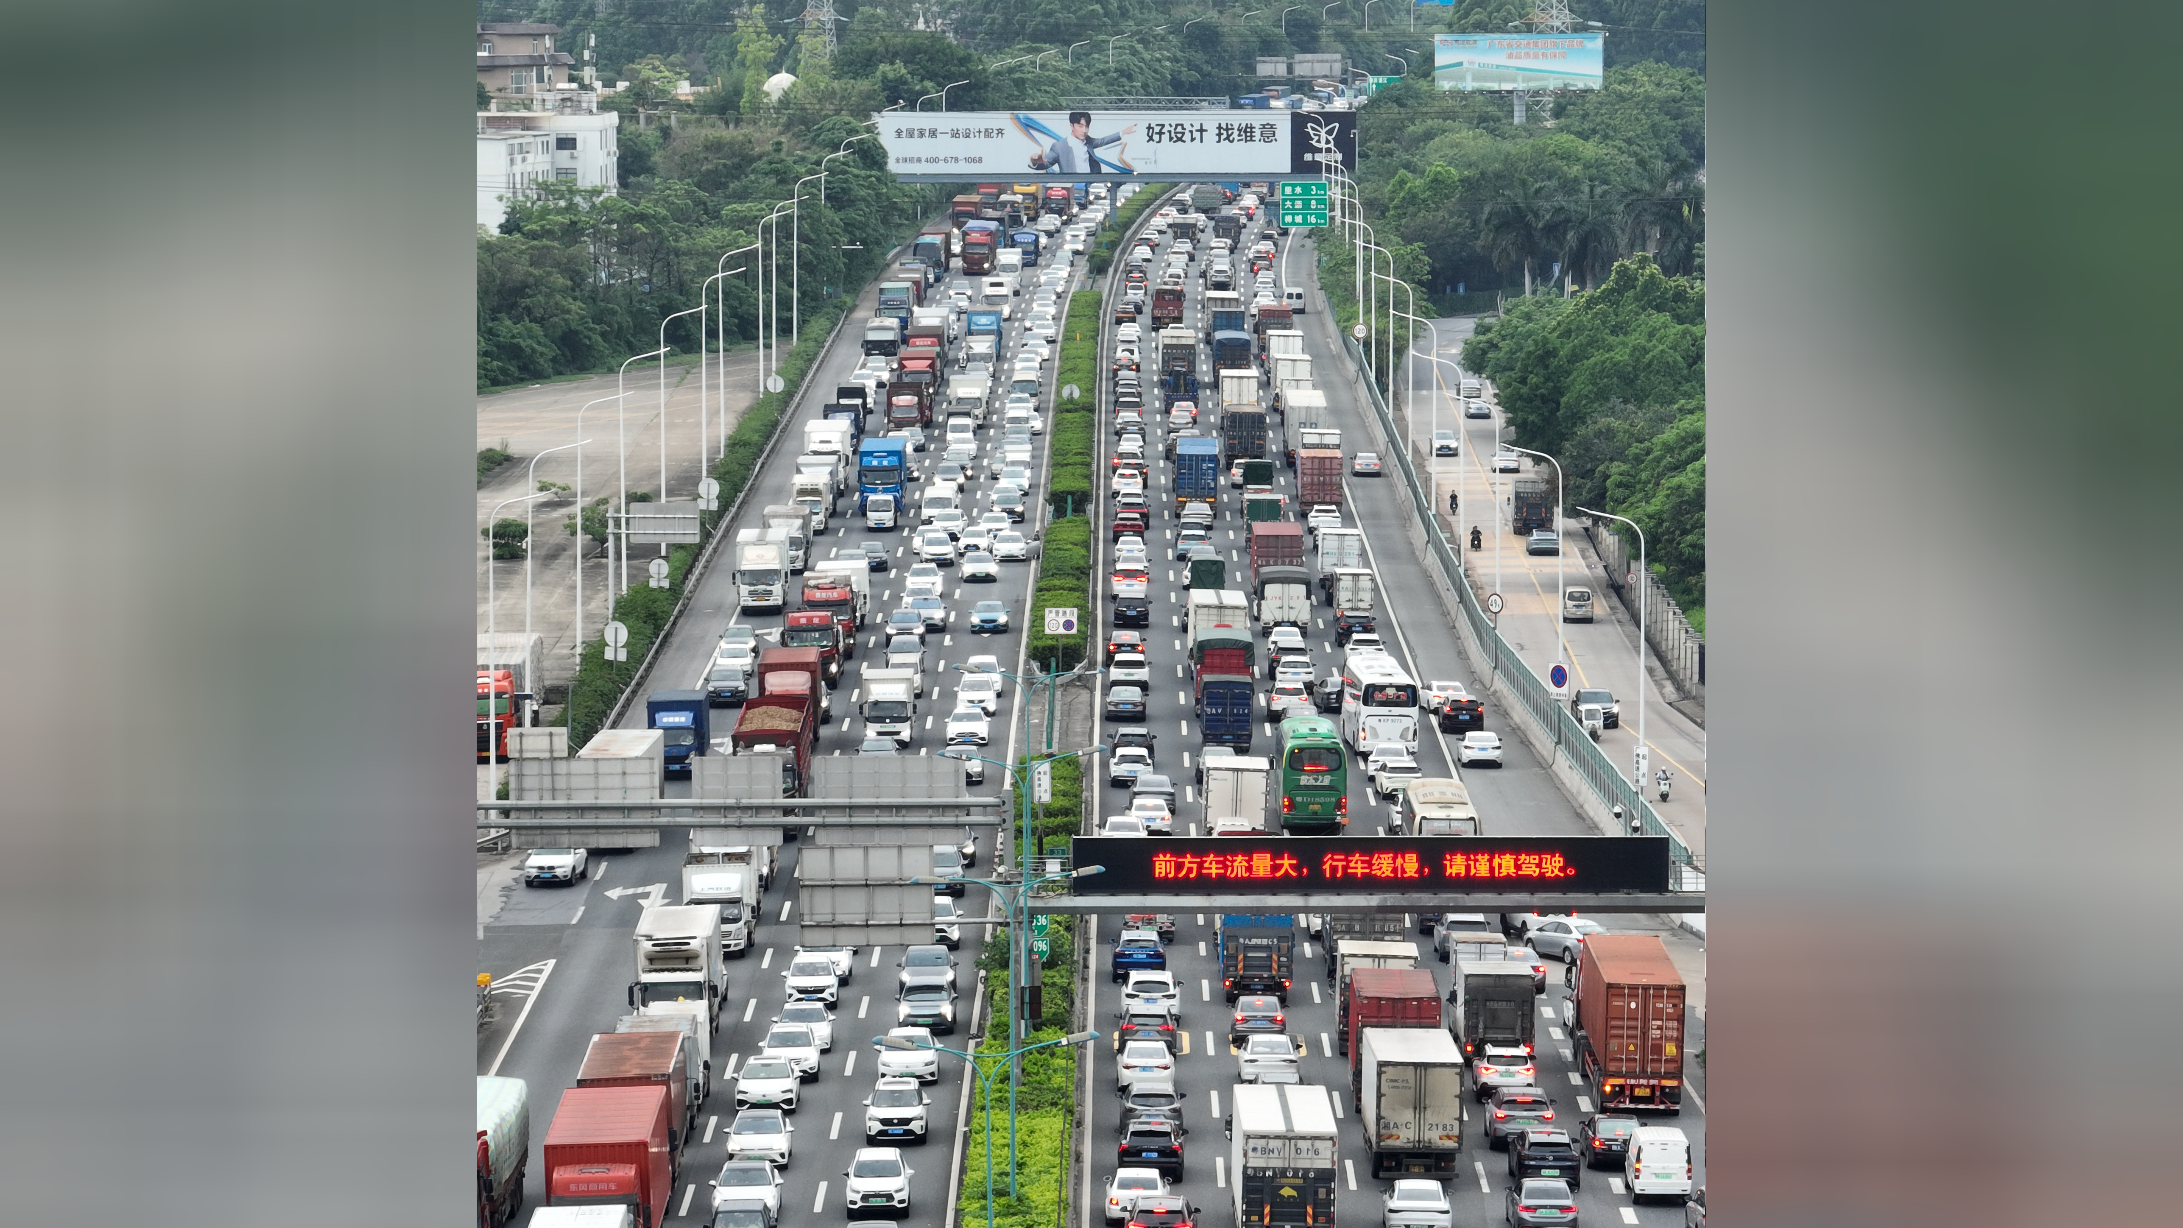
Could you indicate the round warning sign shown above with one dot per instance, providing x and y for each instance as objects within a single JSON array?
[
  {"x": 1359, "y": 331},
  {"x": 1558, "y": 676},
  {"x": 1493, "y": 603}
]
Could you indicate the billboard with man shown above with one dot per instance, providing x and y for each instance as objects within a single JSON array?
[
  {"x": 1079, "y": 145},
  {"x": 1519, "y": 61}
]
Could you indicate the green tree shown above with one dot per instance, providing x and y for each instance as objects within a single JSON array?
[
  {"x": 485, "y": 97},
  {"x": 756, "y": 49}
]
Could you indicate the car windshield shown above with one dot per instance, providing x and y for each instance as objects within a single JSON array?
[
  {"x": 803, "y": 1014},
  {"x": 768, "y": 1068},
  {"x": 1270, "y": 1044},
  {"x": 758, "y": 1123},
  {"x": 896, "y": 1098},
  {"x": 1595, "y": 697},
  {"x": 810, "y": 967},
  {"x": 1137, "y": 1181},
  {"x": 1421, "y": 1195},
  {"x": 1546, "y": 1191},
  {"x": 926, "y": 993},
  {"x": 925, "y": 959},
  {"x": 1149, "y": 1136},
  {"x": 746, "y": 1174},
  {"x": 876, "y": 1166},
  {"x": 1151, "y": 985},
  {"x": 789, "y": 1038}
]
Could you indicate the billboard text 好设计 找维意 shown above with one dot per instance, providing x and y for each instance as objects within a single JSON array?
[
  {"x": 1078, "y": 145},
  {"x": 1518, "y": 61}
]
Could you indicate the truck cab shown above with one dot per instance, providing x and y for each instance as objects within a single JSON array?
[{"x": 685, "y": 718}]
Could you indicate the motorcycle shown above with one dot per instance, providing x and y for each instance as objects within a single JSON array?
[
  {"x": 1662, "y": 781},
  {"x": 1476, "y": 541}
]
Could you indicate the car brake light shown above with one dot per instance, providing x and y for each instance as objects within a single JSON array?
[
  {"x": 1287, "y": 803},
  {"x": 1549, "y": 1116},
  {"x": 1343, "y": 807},
  {"x": 1520, "y": 1209},
  {"x": 1528, "y": 1050},
  {"x": 1499, "y": 1115}
]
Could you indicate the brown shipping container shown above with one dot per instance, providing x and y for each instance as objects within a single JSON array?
[
  {"x": 641, "y": 1059},
  {"x": 1630, "y": 1021},
  {"x": 1319, "y": 476},
  {"x": 1387, "y": 998},
  {"x": 608, "y": 1146}
]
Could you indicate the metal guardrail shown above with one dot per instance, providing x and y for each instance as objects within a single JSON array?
[
  {"x": 1559, "y": 724},
  {"x": 1675, "y": 643}
]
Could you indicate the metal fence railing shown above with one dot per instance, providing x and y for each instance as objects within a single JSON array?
[
  {"x": 1675, "y": 643},
  {"x": 1557, "y": 722}
]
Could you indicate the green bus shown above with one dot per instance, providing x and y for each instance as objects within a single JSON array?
[{"x": 1314, "y": 777}]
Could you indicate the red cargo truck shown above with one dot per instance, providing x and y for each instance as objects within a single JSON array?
[
  {"x": 1271, "y": 318},
  {"x": 1628, "y": 1008},
  {"x": 1386, "y": 998},
  {"x": 644, "y": 1059},
  {"x": 609, "y": 1146},
  {"x": 1276, "y": 543},
  {"x": 496, "y": 711},
  {"x": 1166, "y": 306},
  {"x": 782, "y": 717},
  {"x": 1319, "y": 476}
]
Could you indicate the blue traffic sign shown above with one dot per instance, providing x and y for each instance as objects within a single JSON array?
[{"x": 1559, "y": 676}]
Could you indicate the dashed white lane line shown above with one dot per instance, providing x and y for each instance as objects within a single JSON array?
[
  {"x": 1483, "y": 1188},
  {"x": 835, "y": 1131},
  {"x": 818, "y": 1200},
  {"x": 1349, "y": 1170},
  {"x": 749, "y": 1008}
]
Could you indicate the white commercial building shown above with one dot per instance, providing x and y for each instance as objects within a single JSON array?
[{"x": 568, "y": 140}]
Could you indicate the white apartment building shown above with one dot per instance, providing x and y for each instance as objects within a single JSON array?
[{"x": 574, "y": 142}]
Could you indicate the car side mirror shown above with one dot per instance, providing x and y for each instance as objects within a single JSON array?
[{"x": 867, "y": 1104}]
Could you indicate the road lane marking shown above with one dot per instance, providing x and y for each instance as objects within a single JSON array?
[
  {"x": 748, "y": 1008},
  {"x": 545, "y": 969},
  {"x": 1201, "y": 948},
  {"x": 1185, "y": 727},
  {"x": 1201, "y": 918},
  {"x": 835, "y": 1132},
  {"x": 1576, "y": 1078},
  {"x": 1584, "y": 1104},
  {"x": 1209, "y": 1049},
  {"x": 1568, "y": 1054},
  {"x": 788, "y": 904},
  {"x": 1629, "y": 1214},
  {"x": 849, "y": 1067},
  {"x": 1326, "y": 1046},
  {"x": 1614, "y": 1185},
  {"x": 1315, "y": 992},
  {"x": 818, "y": 1200},
  {"x": 579, "y": 914},
  {"x": 710, "y": 1124},
  {"x": 875, "y": 957},
  {"x": 1307, "y": 950},
  {"x": 863, "y": 1004},
  {"x": 766, "y": 961},
  {"x": 1215, "y": 1093},
  {"x": 1337, "y": 1107},
  {"x": 1554, "y": 1033},
  {"x": 1349, "y": 1170},
  {"x": 1483, "y": 1188},
  {"x": 728, "y": 1071},
  {"x": 1220, "y": 1170},
  {"x": 1205, "y": 991},
  {"x": 688, "y": 1192},
  {"x": 1546, "y": 1012}
]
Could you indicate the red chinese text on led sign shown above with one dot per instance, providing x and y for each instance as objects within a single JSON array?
[{"x": 1374, "y": 866}]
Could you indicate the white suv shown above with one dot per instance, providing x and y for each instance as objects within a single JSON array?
[
  {"x": 895, "y": 1112},
  {"x": 1151, "y": 991},
  {"x": 879, "y": 1183}
]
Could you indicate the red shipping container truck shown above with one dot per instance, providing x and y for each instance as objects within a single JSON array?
[
  {"x": 817, "y": 627},
  {"x": 1387, "y": 998},
  {"x": 643, "y": 1059},
  {"x": 1276, "y": 543},
  {"x": 1319, "y": 476},
  {"x": 1629, "y": 1022},
  {"x": 609, "y": 1146}
]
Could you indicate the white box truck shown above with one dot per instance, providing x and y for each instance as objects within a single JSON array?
[
  {"x": 1236, "y": 788},
  {"x": 708, "y": 877},
  {"x": 678, "y": 958},
  {"x": 761, "y": 571},
  {"x": 1281, "y": 1157},
  {"x": 890, "y": 704},
  {"x": 1410, "y": 1093}
]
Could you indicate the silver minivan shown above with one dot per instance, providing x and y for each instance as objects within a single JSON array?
[{"x": 1576, "y": 605}]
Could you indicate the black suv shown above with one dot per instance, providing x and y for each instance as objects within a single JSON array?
[
  {"x": 1152, "y": 1142},
  {"x": 1545, "y": 1153},
  {"x": 1132, "y": 612},
  {"x": 1134, "y": 735},
  {"x": 1604, "y": 1139},
  {"x": 1146, "y": 1025}
]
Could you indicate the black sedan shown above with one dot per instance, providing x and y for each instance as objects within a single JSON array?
[
  {"x": 1604, "y": 1139},
  {"x": 1125, "y": 702},
  {"x": 1145, "y": 1025},
  {"x": 1136, "y": 735},
  {"x": 1154, "y": 1143},
  {"x": 875, "y": 556},
  {"x": 1133, "y": 612}
]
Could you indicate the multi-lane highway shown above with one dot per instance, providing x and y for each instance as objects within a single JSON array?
[
  {"x": 1518, "y": 798},
  {"x": 562, "y": 958}
]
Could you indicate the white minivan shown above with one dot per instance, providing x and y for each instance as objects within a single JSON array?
[
  {"x": 1293, "y": 297},
  {"x": 1658, "y": 1163}
]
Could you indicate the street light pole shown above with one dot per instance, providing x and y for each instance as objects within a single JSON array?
[
  {"x": 951, "y": 85},
  {"x": 621, "y": 447},
  {"x": 1561, "y": 637},
  {"x": 527, "y": 539},
  {"x": 1643, "y": 757},
  {"x": 1072, "y": 50},
  {"x": 1285, "y": 18},
  {"x": 1368, "y": 15},
  {"x": 720, "y": 305},
  {"x": 663, "y": 392}
]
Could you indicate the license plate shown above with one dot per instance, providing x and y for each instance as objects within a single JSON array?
[
  {"x": 1148, "y": 1155},
  {"x": 877, "y": 1198},
  {"x": 1550, "y": 1172}
]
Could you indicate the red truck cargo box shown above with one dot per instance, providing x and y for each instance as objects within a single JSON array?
[
  {"x": 1630, "y": 1021},
  {"x": 1319, "y": 476},
  {"x": 1388, "y": 998},
  {"x": 609, "y": 1146},
  {"x": 642, "y": 1059},
  {"x": 1276, "y": 543}
]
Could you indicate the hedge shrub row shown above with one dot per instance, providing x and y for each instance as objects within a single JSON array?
[
  {"x": 1064, "y": 581},
  {"x": 1045, "y": 1101}
]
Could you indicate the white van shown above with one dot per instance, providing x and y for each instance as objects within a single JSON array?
[
  {"x": 1658, "y": 1163},
  {"x": 879, "y": 511},
  {"x": 1293, "y": 297},
  {"x": 1576, "y": 605},
  {"x": 1008, "y": 261}
]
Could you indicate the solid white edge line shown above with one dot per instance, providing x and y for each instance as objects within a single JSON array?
[{"x": 524, "y": 1014}]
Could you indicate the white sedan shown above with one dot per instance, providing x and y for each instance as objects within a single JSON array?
[
  {"x": 1391, "y": 771},
  {"x": 761, "y": 1134},
  {"x": 1122, "y": 825},
  {"x": 1265, "y": 1055},
  {"x": 922, "y": 1063},
  {"x": 923, "y": 580},
  {"x": 767, "y": 1081},
  {"x": 1143, "y": 1059},
  {"x": 1479, "y": 746},
  {"x": 980, "y": 691},
  {"x": 1130, "y": 667},
  {"x": 812, "y": 1015},
  {"x": 1124, "y": 1187},
  {"x": 794, "y": 1043},
  {"x": 1011, "y": 547},
  {"x": 1507, "y": 461},
  {"x": 968, "y": 727},
  {"x": 1416, "y": 1203}
]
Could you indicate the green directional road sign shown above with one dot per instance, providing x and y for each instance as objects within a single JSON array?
[
  {"x": 1303, "y": 202},
  {"x": 1042, "y": 947},
  {"x": 1041, "y": 924}
]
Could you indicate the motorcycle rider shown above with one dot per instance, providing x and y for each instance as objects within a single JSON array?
[
  {"x": 1475, "y": 539},
  {"x": 1661, "y": 778}
]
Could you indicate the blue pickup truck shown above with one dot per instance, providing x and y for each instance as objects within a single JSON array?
[{"x": 1137, "y": 951}]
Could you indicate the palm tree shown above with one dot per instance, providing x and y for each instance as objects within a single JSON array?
[
  {"x": 1515, "y": 223},
  {"x": 1660, "y": 204},
  {"x": 1593, "y": 222}
]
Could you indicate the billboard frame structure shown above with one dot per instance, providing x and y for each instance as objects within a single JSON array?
[
  {"x": 1500, "y": 62},
  {"x": 1125, "y": 145}
]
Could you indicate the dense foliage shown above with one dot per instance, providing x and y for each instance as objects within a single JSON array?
[{"x": 1612, "y": 381}]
